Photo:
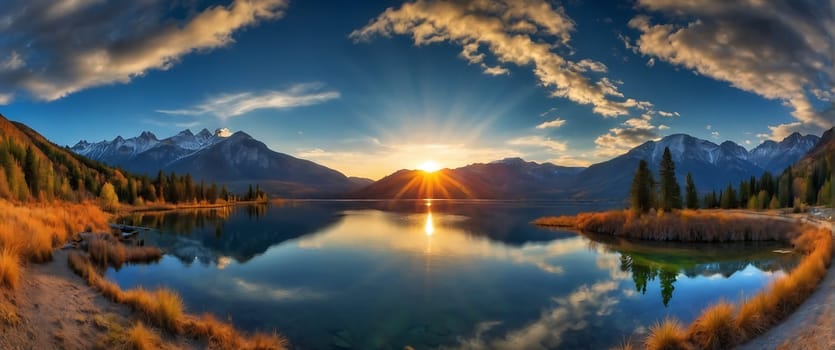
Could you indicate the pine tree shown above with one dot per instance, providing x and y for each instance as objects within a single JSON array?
[
  {"x": 692, "y": 196},
  {"x": 31, "y": 171},
  {"x": 784, "y": 190},
  {"x": 670, "y": 189},
  {"x": 640, "y": 193}
]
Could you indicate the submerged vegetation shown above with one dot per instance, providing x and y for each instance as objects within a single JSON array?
[{"x": 165, "y": 308}]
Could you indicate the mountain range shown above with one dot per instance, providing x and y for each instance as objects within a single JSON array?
[
  {"x": 713, "y": 167},
  {"x": 237, "y": 159}
]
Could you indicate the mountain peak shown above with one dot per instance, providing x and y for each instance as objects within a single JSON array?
[
  {"x": 223, "y": 132},
  {"x": 186, "y": 132},
  {"x": 205, "y": 133},
  {"x": 147, "y": 135}
]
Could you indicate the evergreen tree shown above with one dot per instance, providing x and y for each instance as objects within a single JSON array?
[
  {"x": 727, "y": 199},
  {"x": 670, "y": 189},
  {"x": 31, "y": 171},
  {"x": 784, "y": 190},
  {"x": 692, "y": 196},
  {"x": 640, "y": 193}
]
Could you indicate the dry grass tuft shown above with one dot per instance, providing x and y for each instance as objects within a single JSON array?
[
  {"x": 715, "y": 328},
  {"x": 9, "y": 268},
  {"x": 139, "y": 337},
  {"x": 666, "y": 335}
]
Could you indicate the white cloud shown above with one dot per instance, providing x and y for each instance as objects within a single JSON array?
[
  {"x": 781, "y": 49},
  {"x": 663, "y": 127},
  {"x": 629, "y": 134},
  {"x": 522, "y": 33},
  {"x": 556, "y": 123},
  {"x": 115, "y": 42},
  {"x": 538, "y": 141},
  {"x": 668, "y": 114},
  {"x": 709, "y": 127},
  {"x": 714, "y": 134},
  {"x": 232, "y": 105}
]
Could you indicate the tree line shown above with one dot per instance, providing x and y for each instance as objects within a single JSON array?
[
  {"x": 796, "y": 187},
  {"x": 41, "y": 171}
]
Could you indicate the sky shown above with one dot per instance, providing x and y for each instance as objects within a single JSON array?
[{"x": 370, "y": 87}]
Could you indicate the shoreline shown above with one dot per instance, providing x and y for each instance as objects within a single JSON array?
[{"x": 773, "y": 318}]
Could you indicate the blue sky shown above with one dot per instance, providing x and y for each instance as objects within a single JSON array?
[{"x": 369, "y": 87}]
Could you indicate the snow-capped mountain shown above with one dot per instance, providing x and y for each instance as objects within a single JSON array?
[
  {"x": 122, "y": 152},
  {"x": 235, "y": 159},
  {"x": 776, "y": 156},
  {"x": 713, "y": 166}
]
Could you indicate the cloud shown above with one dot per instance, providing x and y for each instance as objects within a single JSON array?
[
  {"x": 233, "y": 105},
  {"x": 538, "y": 141},
  {"x": 521, "y": 33},
  {"x": 668, "y": 114},
  {"x": 709, "y": 127},
  {"x": 714, "y": 134},
  {"x": 629, "y": 134},
  {"x": 109, "y": 41},
  {"x": 782, "y": 49},
  {"x": 556, "y": 123}
]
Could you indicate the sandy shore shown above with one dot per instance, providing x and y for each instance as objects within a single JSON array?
[{"x": 57, "y": 310}]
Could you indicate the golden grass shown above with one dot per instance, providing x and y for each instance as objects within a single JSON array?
[
  {"x": 9, "y": 268},
  {"x": 725, "y": 325},
  {"x": 680, "y": 225},
  {"x": 715, "y": 328},
  {"x": 109, "y": 252},
  {"x": 165, "y": 309},
  {"x": 666, "y": 335},
  {"x": 33, "y": 230},
  {"x": 139, "y": 337}
]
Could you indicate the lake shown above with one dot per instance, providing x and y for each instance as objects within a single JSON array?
[{"x": 439, "y": 274}]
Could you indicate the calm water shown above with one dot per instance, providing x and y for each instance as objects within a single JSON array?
[{"x": 369, "y": 275}]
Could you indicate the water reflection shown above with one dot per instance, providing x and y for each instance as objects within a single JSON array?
[{"x": 436, "y": 274}]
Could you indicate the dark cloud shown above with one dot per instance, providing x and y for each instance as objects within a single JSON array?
[{"x": 54, "y": 48}]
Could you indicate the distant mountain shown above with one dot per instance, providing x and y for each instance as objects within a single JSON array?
[
  {"x": 233, "y": 159},
  {"x": 713, "y": 166},
  {"x": 510, "y": 178},
  {"x": 775, "y": 157}
]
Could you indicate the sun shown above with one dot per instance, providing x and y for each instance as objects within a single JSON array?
[{"x": 429, "y": 166}]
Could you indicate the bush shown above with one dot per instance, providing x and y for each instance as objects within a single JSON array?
[{"x": 666, "y": 335}]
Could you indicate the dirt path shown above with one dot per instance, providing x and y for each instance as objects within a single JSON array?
[
  {"x": 812, "y": 325},
  {"x": 59, "y": 311}
]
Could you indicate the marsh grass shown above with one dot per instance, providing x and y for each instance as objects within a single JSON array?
[
  {"x": 109, "y": 252},
  {"x": 680, "y": 225},
  {"x": 715, "y": 328},
  {"x": 165, "y": 309},
  {"x": 9, "y": 268},
  {"x": 666, "y": 335},
  {"x": 139, "y": 337}
]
